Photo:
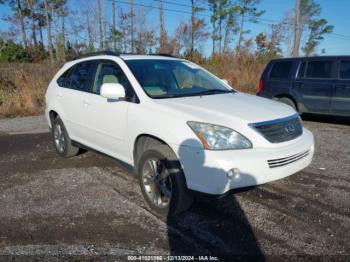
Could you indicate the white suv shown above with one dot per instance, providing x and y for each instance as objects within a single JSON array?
[{"x": 180, "y": 127}]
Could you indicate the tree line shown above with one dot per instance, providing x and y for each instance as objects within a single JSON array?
[{"x": 59, "y": 29}]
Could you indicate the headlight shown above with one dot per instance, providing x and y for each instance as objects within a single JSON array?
[{"x": 214, "y": 137}]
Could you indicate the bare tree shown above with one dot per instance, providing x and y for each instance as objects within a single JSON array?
[
  {"x": 248, "y": 12},
  {"x": 162, "y": 32},
  {"x": 30, "y": 5},
  {"x": 63, "y": 13},
  {"x": 195, "y": 8},
  {"x": 132, "y": 27},
  {"x": 49, "y": 37},
  {"x": 100, "y": 23},
  {"x": 21, "y": 20},
  {"x": 114, "y": 28}
]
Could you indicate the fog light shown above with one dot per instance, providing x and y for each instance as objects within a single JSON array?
[{"x": 233, "y": 173}]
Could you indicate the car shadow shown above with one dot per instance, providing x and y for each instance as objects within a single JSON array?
[
  {"x": 212, "y": 227},
  {"x": 340, "y": 120}
]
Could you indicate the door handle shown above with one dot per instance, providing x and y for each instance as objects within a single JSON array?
[
  {"x": 86, "y": 102},
  {"x": 298, "y": 84},
  {"x": 59, "y": 94},
  {"x": 343, "y": 86}
]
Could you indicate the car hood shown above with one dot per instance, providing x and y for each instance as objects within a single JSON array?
[{"x": 220, "y": 108}]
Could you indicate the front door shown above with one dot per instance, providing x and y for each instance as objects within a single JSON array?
[
  {"x": 341, "y": 96},
  {"x": 316, "y": 86},
  {"x": 107, "y": 119}
]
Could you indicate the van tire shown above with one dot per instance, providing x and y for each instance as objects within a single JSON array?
[{"x": 288, "y": 101}]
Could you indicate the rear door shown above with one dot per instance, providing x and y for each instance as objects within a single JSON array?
[
  {"x": 341, "y": 96},
  {"x": 279, "y": 80},
  {"x": 73, "y": 97},
  {"x": 314, "y": 83}
]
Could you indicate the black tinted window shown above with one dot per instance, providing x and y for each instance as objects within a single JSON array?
[
  {"x": 110, "y": 72},
  {"x": 81, "y": 76},
  {"x": 319, "y": 69},
  {"x": 281, "y": 70},
  {"x": 61, "y": 81},
  {"x": 344, "y": 70},
  {"x": 301, "y": 70}
]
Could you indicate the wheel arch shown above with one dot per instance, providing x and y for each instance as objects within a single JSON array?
[
  {"x": 289, "y": 97},
  {"x": 53, "y": 115},
  {"x": 139, "y": 144}
]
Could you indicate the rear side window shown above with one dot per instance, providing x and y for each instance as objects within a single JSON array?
[
  {"x": 81, "y": 76},
  {"x": 61, "y": 81},
  {"x": 319, "y": 69},
  {"x": 281, "y": 70},
  {"x": 344, "y": 70}
]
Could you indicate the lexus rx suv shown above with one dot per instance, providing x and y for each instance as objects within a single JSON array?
[{"x": 182, "y": 129}]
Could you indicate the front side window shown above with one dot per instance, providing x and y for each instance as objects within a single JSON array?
[
  {"x": 344, "y": 70},
  {"x": 281, "y": 70},
  {"x": 319, "y": 69},
  {"x": 174, "y": 78},
  {"x": 81, "y": 76},
  {"x": 110, "y": 72}
]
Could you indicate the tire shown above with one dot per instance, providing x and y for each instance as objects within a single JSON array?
[
  {"x": 170, "y": 189},
  {"x": 62, "y": 142},
  {"x": 288, "y": 101}
]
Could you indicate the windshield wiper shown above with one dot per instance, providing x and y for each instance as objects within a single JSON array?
[
  {"x": 206, "y": 92},
  {"x": 214, "y": 91}
]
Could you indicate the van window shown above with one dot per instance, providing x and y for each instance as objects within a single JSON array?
[
  {"x": 319, "y": 69},
  {"x": 344, "y": 70},
  {"x": 301, "y": 70},
  {"x": 281, "y": 70}
]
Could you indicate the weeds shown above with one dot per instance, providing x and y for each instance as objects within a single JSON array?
[{"x": 22, "y": 88}]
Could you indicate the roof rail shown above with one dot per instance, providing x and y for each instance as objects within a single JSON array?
[
  {"x": 164, "y": 54},
  {"x": 160, "y": 54},
  {"x": 105, "y": 52},
  {"x": 112, "y": 53}
]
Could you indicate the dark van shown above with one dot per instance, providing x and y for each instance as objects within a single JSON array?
[{"x": 318, "y": 85}]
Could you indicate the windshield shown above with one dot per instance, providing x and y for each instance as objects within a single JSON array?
[{"x": 174, "y": 78}]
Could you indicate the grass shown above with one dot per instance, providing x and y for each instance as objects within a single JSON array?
[{"x": 23, "y": 86}]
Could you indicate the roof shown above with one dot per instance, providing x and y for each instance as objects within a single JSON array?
[{"x": 312, "y": 58}]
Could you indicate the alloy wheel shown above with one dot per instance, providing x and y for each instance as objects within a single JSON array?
[
  {"x": 156, "y": 182},
  {"x": 58, "y": 134}
]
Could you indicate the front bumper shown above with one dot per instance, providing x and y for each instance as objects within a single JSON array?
[{"x": 207, "y": 171}]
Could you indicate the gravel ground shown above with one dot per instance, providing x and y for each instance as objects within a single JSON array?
[{"x": 90, "y": 207}]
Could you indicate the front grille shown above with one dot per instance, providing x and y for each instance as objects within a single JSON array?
[
  {"x": 287, "y": 160},
  {"x": 280, "y": 130}
]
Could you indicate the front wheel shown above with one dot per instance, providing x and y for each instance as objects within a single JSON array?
[{"x": 162, "y": 182}]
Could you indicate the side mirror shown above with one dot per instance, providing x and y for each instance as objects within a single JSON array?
[
  {"x": 112, "y": 91},
  {"x": 224, "y": 81}
]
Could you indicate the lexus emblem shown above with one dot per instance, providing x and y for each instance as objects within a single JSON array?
[{"x": 290, "y": 128}]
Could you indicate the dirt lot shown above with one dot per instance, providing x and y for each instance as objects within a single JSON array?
[{"x": 90, "y": 207}]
